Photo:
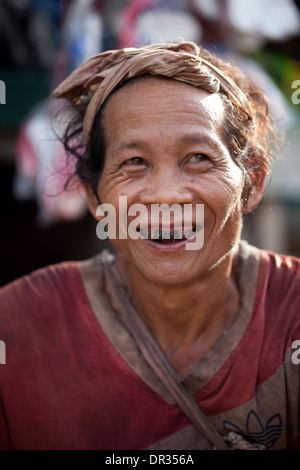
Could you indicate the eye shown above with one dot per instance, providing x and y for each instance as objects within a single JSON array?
[
  {"x": 198, "y": 157},
  {"x": 135, "y": 161},
  {"x": 135, "y": 165}
]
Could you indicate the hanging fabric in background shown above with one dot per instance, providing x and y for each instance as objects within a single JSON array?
[
  {"x": 274, "y": 20},
  {"x": 151, "y": 21},
  {"x": 89, "y": 27},
  {"x": 42, "y": 170},
  {"x": 28, "y": 31},
  {"x": 41, "y": 167},
  {"x": 82, "y": 32}
]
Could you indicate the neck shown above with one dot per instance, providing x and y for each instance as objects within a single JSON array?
[{"x": 188, "y": 319}]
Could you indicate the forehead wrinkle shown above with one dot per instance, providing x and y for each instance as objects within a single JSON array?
[
  {"x": 181, "y": 140},
  {"x": 194, "y": 139},
  {"x": 202, "y": 105},
  {"x": 132, "y": 144}
]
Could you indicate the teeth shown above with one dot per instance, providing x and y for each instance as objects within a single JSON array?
[
  {"x": 144, "y": 232},
  {"x": 165, "y": 234},
  {"x": 189, "y": 234},
  {"x": 178, "y": 235}
]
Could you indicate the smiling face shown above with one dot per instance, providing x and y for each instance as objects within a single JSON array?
[{"x": 165, "y": 145}]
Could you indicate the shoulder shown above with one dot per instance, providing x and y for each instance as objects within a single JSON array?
[
  {"x": 276, "y": 288},
  {"x": 39, "y": 284},
  {"x": 277, "y": 301},
  {"x": 278, "y": 274},
  {"x": 274, "y": 326},
  {"x": 279, "y": 279},
  {"x": 50, "y": 288},
  {"x": 280, "y": 265},
  {"x": 45, "y": 305}
]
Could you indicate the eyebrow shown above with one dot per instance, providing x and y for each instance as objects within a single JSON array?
[
  {"x": 192, "y": 139},
  {"x": 185, "y": 140}
]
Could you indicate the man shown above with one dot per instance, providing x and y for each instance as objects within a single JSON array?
[{"x": 159, "y": 346}]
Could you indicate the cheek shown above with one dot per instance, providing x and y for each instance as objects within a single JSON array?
[
  {"x": 120, "y": 195},
  {"x": 232, "y": 186},
  {"x": 106, "y": 188},
  {"x": 113, "y": 184},
  {"x": 224, "y": 190},
  {"x": 223, "y": 198},
  {"x": 233, "y": 196}
]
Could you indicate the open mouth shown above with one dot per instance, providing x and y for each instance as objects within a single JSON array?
[{"x": 166, "y": 236}]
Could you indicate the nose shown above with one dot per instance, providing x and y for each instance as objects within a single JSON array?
[{"x": 167, "y": 186}]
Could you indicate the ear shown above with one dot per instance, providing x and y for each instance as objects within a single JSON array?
[{"x": 257, "y": 187}]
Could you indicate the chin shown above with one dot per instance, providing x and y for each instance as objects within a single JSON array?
[{"x": 168, "y": 273}]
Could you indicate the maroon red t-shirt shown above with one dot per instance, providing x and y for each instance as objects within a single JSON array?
[{"x": 73, "y": 377}]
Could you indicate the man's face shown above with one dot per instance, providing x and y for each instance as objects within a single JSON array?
[{"x": 165, "y": 145}]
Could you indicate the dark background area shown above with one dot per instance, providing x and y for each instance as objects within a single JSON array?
[{"x": 31, "y": 39}]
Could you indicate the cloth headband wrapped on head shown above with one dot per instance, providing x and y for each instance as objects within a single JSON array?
[{"x": 94, "y": 80}]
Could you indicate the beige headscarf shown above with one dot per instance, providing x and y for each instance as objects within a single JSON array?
[{"x": 94, "y": 80}]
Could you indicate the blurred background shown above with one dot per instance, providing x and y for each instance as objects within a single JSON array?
[{"x": 42, "y": 41}]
